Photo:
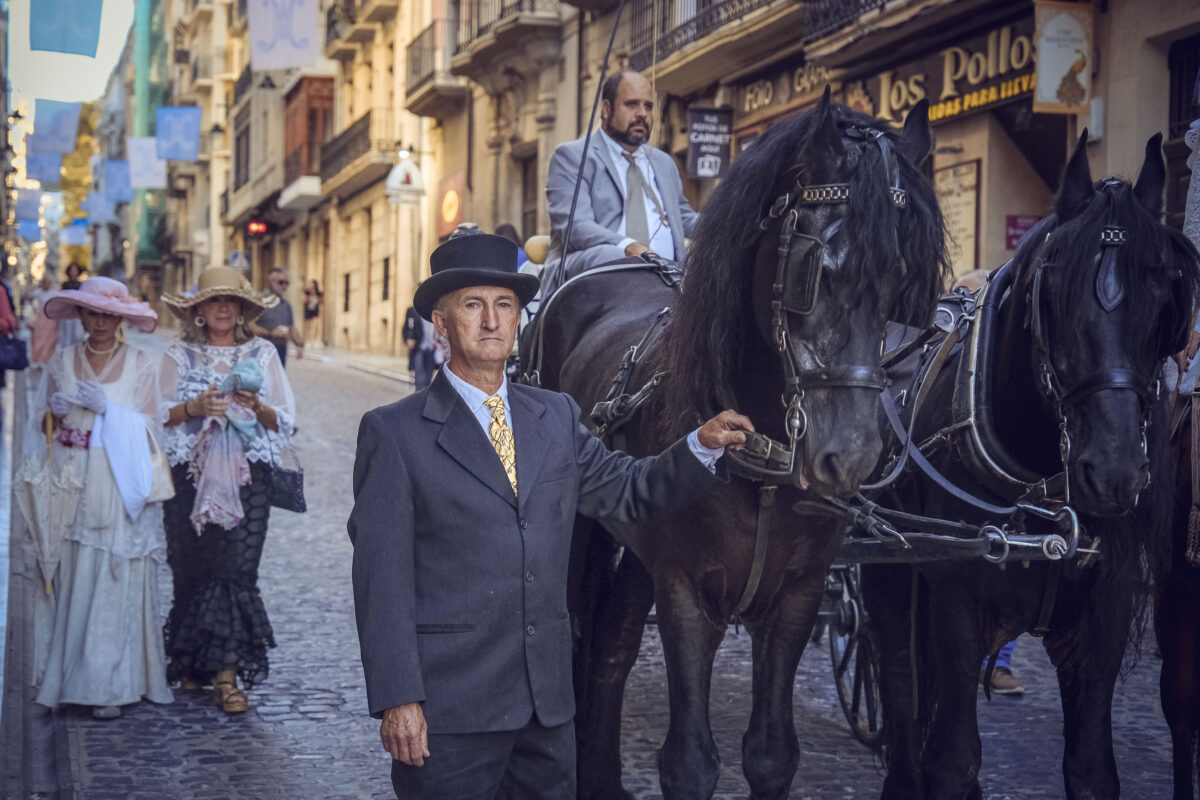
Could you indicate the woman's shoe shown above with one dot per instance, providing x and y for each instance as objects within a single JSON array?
[
  {"x": 229, "y": 697},
  {"x": 106, "y": 712}
]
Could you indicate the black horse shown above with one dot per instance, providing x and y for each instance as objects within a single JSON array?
[
  {"x": 822, "y": 231},
  {"x": 1097, "y": 296}
]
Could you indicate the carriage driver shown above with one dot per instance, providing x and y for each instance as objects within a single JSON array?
[{"x": 464, "y": 499}]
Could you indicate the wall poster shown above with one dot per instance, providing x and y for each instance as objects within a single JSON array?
[{"x": 957, "y": 188}]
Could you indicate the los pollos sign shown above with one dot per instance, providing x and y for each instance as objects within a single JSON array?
[{"x": 985, "y": 70}]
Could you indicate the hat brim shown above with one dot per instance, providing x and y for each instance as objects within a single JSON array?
[
  {"x": 252, "y": 304},
  {"x": 61, "y": 307},
  {"x": 450, "y": 280}
]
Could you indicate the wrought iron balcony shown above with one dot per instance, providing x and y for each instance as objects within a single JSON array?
[
  {"x": 680, "y": 23},
  {"x": 339, "y": 20},
  {"x": 201, "y": 71},
  {"x": 825, "y": 17},
  {"x": 430, "y": 89},
  {"x": 484, "y": 16},
  {"x": 359, "y": 155},
  {"x": 242, "y": 87}
]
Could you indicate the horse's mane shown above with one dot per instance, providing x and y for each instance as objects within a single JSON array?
[{"x": 713, "y": 317}]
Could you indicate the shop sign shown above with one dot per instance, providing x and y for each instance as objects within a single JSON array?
[
  {"x": 957, "y": 189},
  {"x": 779, "y": 90},
  {"x": 1064, "y": 46},
  {"x": 450, "y": 203},
  {"x": 1015, "y": 228},
  {"x": 709, "y": 133},
  {"x": 983, "y": 71}
]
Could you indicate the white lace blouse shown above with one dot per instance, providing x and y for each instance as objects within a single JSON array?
[{"x": 187, "y": 370}]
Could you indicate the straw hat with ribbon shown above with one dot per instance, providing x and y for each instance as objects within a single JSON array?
[
  {"x": 106, "y": 296},
  {"x": 220, "y": 282}
]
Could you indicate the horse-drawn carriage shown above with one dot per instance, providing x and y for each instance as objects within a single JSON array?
[{"x": 883, "y": 484}]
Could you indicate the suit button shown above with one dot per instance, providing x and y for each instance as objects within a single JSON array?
[
  {"x": 529, "y": 577},
  {"x": 524, "y": 524},
  {"x": 529, "y": 630}
]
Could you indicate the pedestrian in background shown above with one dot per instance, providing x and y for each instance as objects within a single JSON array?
[
  {"x": 106, "y": 646},
  {"x": 313, "y": 300},
  {"x": 277, "y": 323},
  {"x": 218, "y": 629},
  {"x": 425, "y": 352},
  {"x": 70, "y": 330}
]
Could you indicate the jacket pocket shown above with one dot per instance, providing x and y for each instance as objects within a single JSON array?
[{"x": 445, "y": 627}]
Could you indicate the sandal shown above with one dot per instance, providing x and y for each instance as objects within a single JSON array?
[{"x": 229, "y": 697}]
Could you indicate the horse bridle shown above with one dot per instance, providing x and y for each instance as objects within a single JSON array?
[
  {"x": 1112, "y": 237},
  {"x": 797, "y": 293}
]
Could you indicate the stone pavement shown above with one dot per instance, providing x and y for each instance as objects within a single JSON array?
[{"x": 307, "y": 734}]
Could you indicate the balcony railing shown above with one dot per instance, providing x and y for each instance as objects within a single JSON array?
[
  {"x": 824, "y": 17},
  {"x": 243, "y": 85},
  {"x": 372, "y": 131},
  {"x": 427, "y": 56},
  {"x": 481, "y": 16},
  {"x": 201, "y": 68},
  {"x": 679, "y": 23},
  {"x": 294, "y": 165},
  {"x": 339, "y": 17}
]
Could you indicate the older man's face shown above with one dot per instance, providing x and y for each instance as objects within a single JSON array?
[
  {"x": 278, "y": 282},
  {"x": 480, "y": 322}
]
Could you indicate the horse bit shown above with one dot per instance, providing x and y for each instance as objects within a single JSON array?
[{"x": 796, "y": 292}]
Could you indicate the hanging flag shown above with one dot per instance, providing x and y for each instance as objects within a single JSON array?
[
  {"x": 282, "y": 33},
  {"x": 74, "y": 234},
  {"x": 29, "y": 230},
  {"x": 29, "y": 204},
  {"x": 56, "y": 125},
  {"x": 146, "y": 169},
  {"x": 45, "y": 169},
  {"x": 116, "y": 182},
  {"x": 100, "y": 210},
  {"x": 178, "y": 129},
  {"x": 65, "y": 26}
]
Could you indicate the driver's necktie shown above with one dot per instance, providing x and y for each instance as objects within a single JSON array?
[
  {"x": 636, "y": 226},
  {"x": 502, "y": 439}
]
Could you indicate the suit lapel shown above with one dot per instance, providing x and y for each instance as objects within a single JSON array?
[
  {"x": 530, "y": 439},
  {"x": 663, "y": 162},
  {"x": 464, "y": 440},
  {"x": 600, "y": 149}
]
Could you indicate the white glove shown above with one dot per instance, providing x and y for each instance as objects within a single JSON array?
[
  {"x": 91, "y": 396},
  {"x": 60, "y": 404}
]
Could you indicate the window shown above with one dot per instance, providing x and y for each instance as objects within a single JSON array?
[
  {"x": 312, "y": 143},
  {"x": 241, "y": 158},
  {"x": 1183, "y": 61},
  {"x": 529, "y": 198},
  {"x": 387, "y": 277},
  {"x": 346, "y": 292}
]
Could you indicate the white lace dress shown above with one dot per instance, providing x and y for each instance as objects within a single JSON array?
[{"x": 105, "y": 647}]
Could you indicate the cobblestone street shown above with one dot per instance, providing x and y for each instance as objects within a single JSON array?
[{"x": 307, "y": 734}]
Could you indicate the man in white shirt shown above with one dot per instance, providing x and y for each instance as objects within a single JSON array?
[{"x": 631, "y": 197}]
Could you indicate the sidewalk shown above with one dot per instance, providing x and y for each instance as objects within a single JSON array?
[{"x": 393, "y": 367}]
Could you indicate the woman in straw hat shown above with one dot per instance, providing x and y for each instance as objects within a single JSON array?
[
  {"x": 100, "y": 399},
  {"x": 217, "y": 376}
]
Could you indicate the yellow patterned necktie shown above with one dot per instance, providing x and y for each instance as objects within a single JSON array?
[{"x": 502, "y": 439}]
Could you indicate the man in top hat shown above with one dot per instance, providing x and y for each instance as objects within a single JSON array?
[{"x": 464, "y": 499}]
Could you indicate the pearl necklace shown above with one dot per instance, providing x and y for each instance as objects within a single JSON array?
[{"x": 88, "y": 346}]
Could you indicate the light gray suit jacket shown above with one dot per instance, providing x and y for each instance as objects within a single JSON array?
[
  {"x": 600, "y": 207},
  {"x": 460, "y": 587}
]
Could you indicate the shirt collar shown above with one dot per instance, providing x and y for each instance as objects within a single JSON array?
[
  {"x": 473, "y": 396},
  {"x": 616, "y": 149}
]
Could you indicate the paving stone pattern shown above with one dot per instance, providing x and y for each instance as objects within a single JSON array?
[{"x": 307, "y": 734}]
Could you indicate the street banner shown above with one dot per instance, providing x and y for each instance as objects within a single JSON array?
[
  {"x": 116, "y": 182},
  {"x": 45, "y": 169},
  {"x": 282, "y": 33},
  {"x": 710, "y": 131},
  {"x": 100, "y": 211},
  {"x": 29, "y": 204},
  {"x": 74, "y": 234},
  {"x": 65, "y": 26},
  {"x": 1063, "y": 42},
  {"x": 178, "y": 129},
  {"x": 55, "y": 124},
  {"x": 146, "y": 169},
  {"x": 29, "y": 230}
]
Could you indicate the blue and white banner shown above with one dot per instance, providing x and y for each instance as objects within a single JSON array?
[
  {"x": 283, "y": 33},
  {"x": 45, "y": 169},
  {"x": 65, "y": 26},
  {"x": 178, "y": 133},
  {"x": 116, "y": 182},
  {"x": 56, "y": 124},
  {"x": 74, "y": 234},
  {"x": 29, "y": 230},
  {"x": 29, "y": 204},
  {"x": 146, "y": 169},
  {"x": 100, "y": 211}
]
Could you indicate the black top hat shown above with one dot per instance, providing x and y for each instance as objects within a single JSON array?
[{"x": 479, "y": 260}]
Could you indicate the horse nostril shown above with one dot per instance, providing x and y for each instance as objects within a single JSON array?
[{"x": 827, "y": 468}]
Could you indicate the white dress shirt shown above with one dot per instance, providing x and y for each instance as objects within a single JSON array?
[
  {"x": 474, "y": 397},
  {"x": 661, "y": 241}
]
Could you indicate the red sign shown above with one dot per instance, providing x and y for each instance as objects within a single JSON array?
[
  {"x": 256, "y": 227},
  {"x": 1015, "y": 228}
]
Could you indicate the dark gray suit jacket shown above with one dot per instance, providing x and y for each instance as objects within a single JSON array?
[
  {"x": 600, "y": 207},
  {"x": 460, "y": 587}
]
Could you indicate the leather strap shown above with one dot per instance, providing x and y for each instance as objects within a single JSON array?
[
  {"x": 766, "y": 502},
  {"x": 1049, "y": 594}
]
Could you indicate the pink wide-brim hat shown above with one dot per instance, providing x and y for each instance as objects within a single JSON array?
[{"x": 106, "y": 296}]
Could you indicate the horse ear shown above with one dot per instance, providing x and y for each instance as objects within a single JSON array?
[
  {"x": 917, "y": 139},
  {"x": 824, "y": 150},
  {"x": 1152, "y": 178},
  {"x": 1076, "y": 191}
]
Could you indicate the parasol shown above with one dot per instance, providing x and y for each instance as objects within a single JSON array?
[{"x": 48, "y": 499}]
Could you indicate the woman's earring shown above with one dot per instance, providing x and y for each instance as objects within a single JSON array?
[
  {"x": 241, "y": 320},
  {"x": 200, "y": 321}
]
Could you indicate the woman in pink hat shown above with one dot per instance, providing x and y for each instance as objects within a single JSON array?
[{"x": 98, "y": 404}]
